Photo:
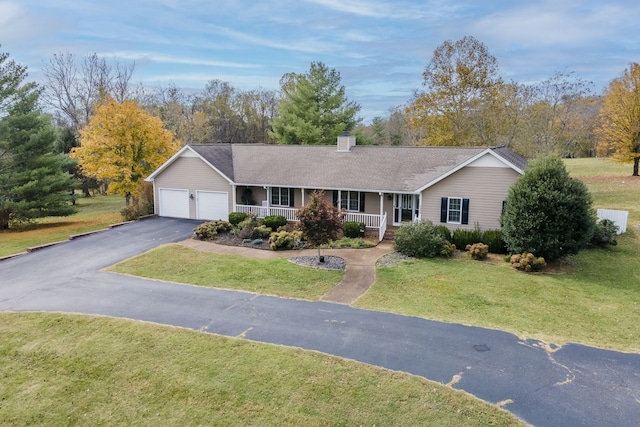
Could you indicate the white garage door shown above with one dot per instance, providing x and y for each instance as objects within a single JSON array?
[
  {"x": 174, "y": 203},
  {"x": 212, "y": 205}
]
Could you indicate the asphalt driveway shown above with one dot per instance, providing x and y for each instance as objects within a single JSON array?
[{"x": 544, "y": 385}]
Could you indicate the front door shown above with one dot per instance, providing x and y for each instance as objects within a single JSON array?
[{"x": 405, "y": 207}]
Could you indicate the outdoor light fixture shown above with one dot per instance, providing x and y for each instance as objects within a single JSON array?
[{"x": 191, "y": 196}]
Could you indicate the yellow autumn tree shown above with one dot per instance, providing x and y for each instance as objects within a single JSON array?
[
  {"x": 122, "y": 145},
  {"x": 461, "y": 79},
  {"x": 619, "y": 129}
]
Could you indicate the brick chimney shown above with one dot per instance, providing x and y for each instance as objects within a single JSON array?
[{"x": 346, "y": 141}]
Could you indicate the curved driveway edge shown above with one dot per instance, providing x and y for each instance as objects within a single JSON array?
[{"x": 544, "y": 385}]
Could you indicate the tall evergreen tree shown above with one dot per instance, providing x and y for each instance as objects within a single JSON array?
[
  {"x": 34, "y": 180},
  {"x": 314, "y": 108}
]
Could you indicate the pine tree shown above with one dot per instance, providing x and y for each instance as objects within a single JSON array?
[
  {"x": 35, "y": 181},
  {"x": 314, "y": 108}
]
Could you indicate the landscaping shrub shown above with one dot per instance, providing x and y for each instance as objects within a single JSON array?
[
  {"x": 461, "y": 237},
  {"x": 352, "y": 243},
  {"x": 421, "y": 240},
  {"x": 352, "y": 229},
  {"x": 547, "y": 212},
  {"x": 261, "y": 232},
  {"x": 605, "y": 233},
  {"x": 236, "y": 218},
  {"x": 209, "y": 230},
  {"x": 274, "y": 221},
  {"x": 206, "y": 230},
  {"x": 527, "y": 262},
  {"x": 286, "y": 240},
  {"x": 478, "y": 251},
  {"x": 493, "y": 239},
  {"x": 245, "y": 227},
  {"x": 447, "y": 249},
  {"x": 130, "y": 213},
  {"x": 445, "y": 232}
]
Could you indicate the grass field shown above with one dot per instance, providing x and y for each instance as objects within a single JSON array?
[
  {"x": 79, "y": 370},
  {"x": 591, "y": 298},
  {"x": 279, "y": 277},
  {"x": 610, "y": 184},
  {"x": 94, "y": 213},
  {"x": 61, "y": 370}
]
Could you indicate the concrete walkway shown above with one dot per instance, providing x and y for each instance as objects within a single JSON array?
[{"x": 359, "y": 274}]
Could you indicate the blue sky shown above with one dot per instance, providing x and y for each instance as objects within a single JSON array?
[{"x": 379, "y": 47}]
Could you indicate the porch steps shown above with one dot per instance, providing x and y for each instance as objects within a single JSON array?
[{"x": 390, "y": 233}]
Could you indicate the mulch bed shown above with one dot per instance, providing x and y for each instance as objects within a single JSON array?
[
  {"x": 229, "y": 239},
  {"x": 330, "y": 262}
]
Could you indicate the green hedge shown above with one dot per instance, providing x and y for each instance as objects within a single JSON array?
[{"x": 352, "y": 229}]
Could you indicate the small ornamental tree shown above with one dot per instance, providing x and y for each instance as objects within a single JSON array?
[
  {"x": 547, "y": 212},
  {"x": 320, "y": 221}
]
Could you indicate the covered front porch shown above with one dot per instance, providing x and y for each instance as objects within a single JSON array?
[{"x": 375, "y": 210}]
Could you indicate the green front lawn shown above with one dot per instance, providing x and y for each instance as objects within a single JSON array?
[
  {"x": 61, "y": 370},
  {"x": 279, "y": 277},
  {"x": 593, "y": 299},
  {"x": 94, "y": 213}
]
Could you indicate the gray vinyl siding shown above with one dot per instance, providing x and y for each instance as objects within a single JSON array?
[
  {"x": 191, "y": 173},
  {"x": 485, "y": 187}
]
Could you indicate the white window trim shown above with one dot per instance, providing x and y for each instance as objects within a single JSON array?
[
  {"x": 279, "y": 193},
  {"x": 348, "y": 200},
  {"x": 449, "y": 210}
]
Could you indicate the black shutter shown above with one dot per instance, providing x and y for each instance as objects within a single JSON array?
[
  {"x": 335, "y": 198},
  {"x": 361, "y": 202},
  {"x": 291, "y": 197},
  {"x": 504, "y": 203},
  {"x": 443, "y": 209},
  {"x": 465, "y": 211}
]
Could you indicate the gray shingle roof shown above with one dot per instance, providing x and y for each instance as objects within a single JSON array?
[{"x": 365, "y": 168}]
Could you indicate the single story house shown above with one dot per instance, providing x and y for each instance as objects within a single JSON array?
[{"x": 377, "y": 185}]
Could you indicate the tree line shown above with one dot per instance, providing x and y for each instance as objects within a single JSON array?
[
  {"x": 464, "y": 101},
  {"x": 69, "y": 132}
]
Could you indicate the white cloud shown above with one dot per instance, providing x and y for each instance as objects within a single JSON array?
[
  {"x": 549, "y": 24},
  {"x": 391, "y": 9},
  {"x": 142, "y": 56},
  {"x": 308, "y": 45},
  {"x": 18, "y": 25}
]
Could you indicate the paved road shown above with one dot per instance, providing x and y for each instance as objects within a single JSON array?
[{"x": 570, "y": 386}]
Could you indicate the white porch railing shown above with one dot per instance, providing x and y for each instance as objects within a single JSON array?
[
  {"x": 262, "y": 211},
  {"x": 383, "y": 227},
  {"x": 369, "y": 220},
  {"x": 259, "y": 211}
]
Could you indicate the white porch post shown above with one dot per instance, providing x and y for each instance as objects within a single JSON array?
[
  {"x": 339, "y": 199},
  {"x": 233, "y": 196},
  {"x": 381, "y": 203},
  {"x": 302, "y": 192},
  {"x": 268, "y": 200},
  {"x": 419, "y": 206}
]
